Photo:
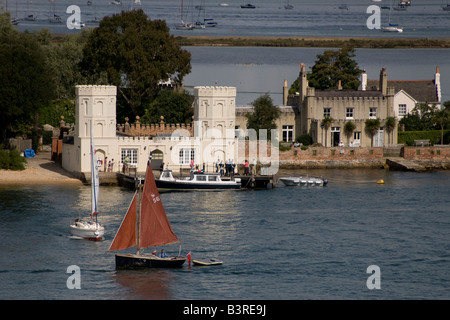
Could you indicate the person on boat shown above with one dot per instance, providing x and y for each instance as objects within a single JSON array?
[
  {"x": 246, "y": 168},
  {"x": 162, "y": 254},
  {"x": 161, "y": 167}
]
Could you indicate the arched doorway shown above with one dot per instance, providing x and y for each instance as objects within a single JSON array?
[{"x": 157, "y": 159}]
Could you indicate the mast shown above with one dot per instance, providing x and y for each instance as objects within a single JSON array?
[{"x": 138, "y": 219}]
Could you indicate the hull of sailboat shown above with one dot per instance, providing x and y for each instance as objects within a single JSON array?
[
  {"x": 89, "y": 231},
  {"x": 133, "y": 261}
]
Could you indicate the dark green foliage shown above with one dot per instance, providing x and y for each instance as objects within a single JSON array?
[
  {"x": 264, "y": 115},
  {"x": 330, "y": 68},
  {"x": 12, "y": 160},
  {"x": 305, "y": 139},
  {"x": 175, "y": 107},
  {"x": 134, "y": 53},
  {"x": 25, "y": 82}
]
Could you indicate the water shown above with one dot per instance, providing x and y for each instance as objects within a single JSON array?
[
  {"x": 425, "y": 18},
  {"x": 255, "y": 70},
  {"x": 285, "y": 243}
]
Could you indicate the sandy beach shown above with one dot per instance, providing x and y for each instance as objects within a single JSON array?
[{"x": 39, "y": 170}]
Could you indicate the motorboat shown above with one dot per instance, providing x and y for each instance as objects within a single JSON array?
[
  {"x": 248, "y": 6},
  {"x": 303, "y": 181},
  {"x": 197, "y": 180}
]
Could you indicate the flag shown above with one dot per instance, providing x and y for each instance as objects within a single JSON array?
[{"x": 189, "y": 257}]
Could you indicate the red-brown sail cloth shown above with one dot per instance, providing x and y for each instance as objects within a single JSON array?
[
  {"x": 155, "y": 227},
  {"x": 126, "y": 235}
]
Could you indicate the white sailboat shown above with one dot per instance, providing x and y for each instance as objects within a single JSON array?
[
  {"x": 56, "y": 18},
  {"x": 183, "y": 25},
  {"x": 445, "y": 7},
  {"x": 392, "y": 27},
  {"x": 90, "y": 229}
]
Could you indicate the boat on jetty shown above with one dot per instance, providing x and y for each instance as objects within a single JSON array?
[
  {"x": 197, "y": 180},
  {"x": 304, "y": 181}
]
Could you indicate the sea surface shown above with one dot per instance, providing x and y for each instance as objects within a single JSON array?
[
  {"x": 425, "y": 18},
  {"x": 285, "y": 243},
  {"x": 258, "y": 70}
]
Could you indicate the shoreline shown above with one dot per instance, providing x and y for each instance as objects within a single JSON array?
[
  {"x": 270, "y": 41},
  {"x": 303, "y": 42},
  {"x": 41, "y": 170}
]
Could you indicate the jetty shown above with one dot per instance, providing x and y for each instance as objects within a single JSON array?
[{"x": 401, "y": 164}]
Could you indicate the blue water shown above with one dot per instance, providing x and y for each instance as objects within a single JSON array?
[
  {"x": 255, "y": 70},
  {"x": 285, "y": 243},
  {"x": 425, "y": 18}
]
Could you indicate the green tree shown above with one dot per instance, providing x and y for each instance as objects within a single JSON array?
[
  {"x": 372, "y": 126},
  {"x": 442, "y": 119},
  {"x": 25, "y": 81},
  {"x": 135, "y": 53},
  {"x": 330, "y": 68},
  {"x": 349, "y": 127},
  {"x": 390, "y": 124},
  {"x": 264, "y": 115},
  {"x": 326, "y": 123},
  {"x": 174, "y": 106}
]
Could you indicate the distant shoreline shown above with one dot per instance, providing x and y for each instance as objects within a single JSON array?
[
  {"x": 304, "y": 42},
  {"x": 334, "y": 42}
]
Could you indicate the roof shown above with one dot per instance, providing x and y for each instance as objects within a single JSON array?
[
  {"x": 348, "y": 93},
  {"x": 420, "y": 90}
]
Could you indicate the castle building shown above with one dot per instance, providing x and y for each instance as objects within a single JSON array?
[
  {"x": 303, "y": 112},
  {"x": 213, "y": 140}
]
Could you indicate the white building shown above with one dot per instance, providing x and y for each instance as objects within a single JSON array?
[{"x": 214, "y": 139}]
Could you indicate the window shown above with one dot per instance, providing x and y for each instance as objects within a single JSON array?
[
  {"x": 402, "y": 109},
  {"x": 288, "y": 133},
  {"x": 132, "y": 155},
  {"x": 372, "y": 113},
  {"x": 186, "y": 155},
  {"x": 349, "y": 113},
  {"x": 327, "y": 112},
  {"x": 357, "y": 135}
]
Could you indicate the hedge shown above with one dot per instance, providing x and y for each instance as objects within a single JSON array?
[{"x": 408, "y": 137}]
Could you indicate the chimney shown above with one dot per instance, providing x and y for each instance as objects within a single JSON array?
[
  {"x": 285, "y": 93},
  {"x": 437, "y": 84},
  {"x": 303, "y": 82},
  {"x": 339, "y": 85},
  {"x": 363, "y": 81},
  {"x": 383, "y": 81}
]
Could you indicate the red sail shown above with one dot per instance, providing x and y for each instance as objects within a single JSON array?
[
  {"x": 155, "y": 227},
  {"x": 126, "y": 235}
]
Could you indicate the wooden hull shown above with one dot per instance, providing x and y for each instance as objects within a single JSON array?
[{"x": 133, "y": 261}]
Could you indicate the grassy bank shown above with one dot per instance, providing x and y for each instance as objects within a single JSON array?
[{"x": 373, "y": 43}]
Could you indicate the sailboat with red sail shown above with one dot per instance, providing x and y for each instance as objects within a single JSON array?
[{"x": 145, "y": 225}]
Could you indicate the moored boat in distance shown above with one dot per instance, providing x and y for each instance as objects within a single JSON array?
[
  {"x": 248, "y": 6},
  {"x": 196, "y": 181},
  {"x": 304, "y": 181}
]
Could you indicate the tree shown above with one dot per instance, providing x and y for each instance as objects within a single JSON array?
[
  {"x": 175, "y": 107},
  {"x": 25, "y": 80},
  {"x": 349, "y": 127},
  {"x": 442, "y": 118},
  {"x": 326, "y": 123},
  {"x": 264, "y": 115},
  {"x": 135, "y": 53},
  {"x": 390, "y": 126},
  {"x": 372, "y": 126},
  {"x": 332, "y": 67}
]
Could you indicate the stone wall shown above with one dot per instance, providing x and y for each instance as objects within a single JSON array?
[
  {"x": 152, "y": 130},
  {"x": 427, "y": 153}
]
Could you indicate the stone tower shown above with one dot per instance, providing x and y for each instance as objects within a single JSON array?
[
  {"x": 214, "y": 112},
  {"x": 96, "y": 103}
]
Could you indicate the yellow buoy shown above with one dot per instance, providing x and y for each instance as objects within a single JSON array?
[{"x": 381, "y": 181}]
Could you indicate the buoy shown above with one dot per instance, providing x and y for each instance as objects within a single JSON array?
[{"x": 381, "y": 181}]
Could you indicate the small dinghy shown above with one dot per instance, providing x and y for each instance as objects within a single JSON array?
[{"x": 210, "y": 262}]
